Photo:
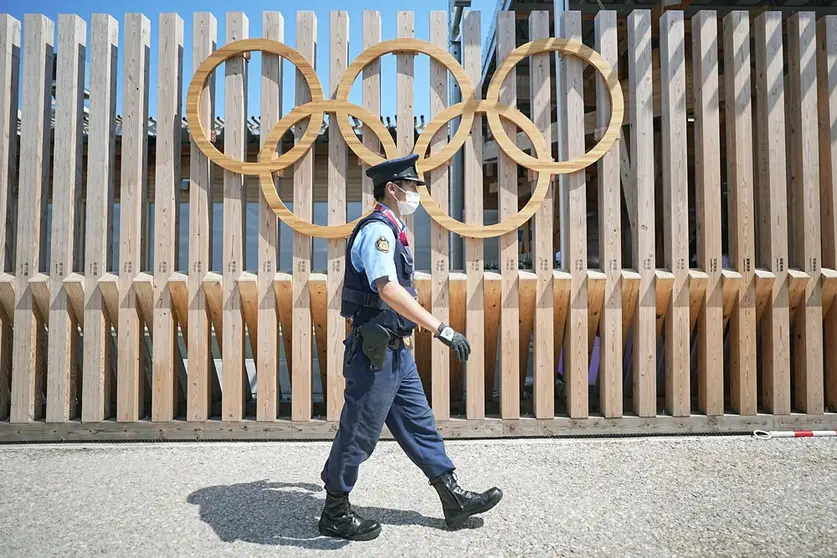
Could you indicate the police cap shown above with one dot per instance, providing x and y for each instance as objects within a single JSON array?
[{"x": 401, "y": 168}]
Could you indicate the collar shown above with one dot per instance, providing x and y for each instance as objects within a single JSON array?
[{"x": 395, "y": 220}]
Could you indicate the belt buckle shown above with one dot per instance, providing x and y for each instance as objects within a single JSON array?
[{"x": 408, "y": 342}]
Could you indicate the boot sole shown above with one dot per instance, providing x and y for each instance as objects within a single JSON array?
[
  {"x": 460, "y": 520},
  {"x": 361, "y": 537}
]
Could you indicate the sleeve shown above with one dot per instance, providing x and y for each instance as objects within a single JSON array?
[{"x": 374, "y": 251}]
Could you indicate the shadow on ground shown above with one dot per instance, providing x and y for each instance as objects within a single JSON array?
[{"x": 286, "y": 514}]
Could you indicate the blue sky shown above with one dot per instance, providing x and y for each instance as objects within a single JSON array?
[{"x": 254, "y": 9}]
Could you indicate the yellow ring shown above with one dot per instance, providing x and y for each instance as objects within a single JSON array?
[
  {"x": 267, "y": 161},
  {"x": 195, "y": 93},
  {"x": 487, "y": 231},
  {"x": 586, "y": 54}
]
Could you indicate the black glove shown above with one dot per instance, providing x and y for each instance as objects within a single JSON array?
[{"x": 455, "y": 340}]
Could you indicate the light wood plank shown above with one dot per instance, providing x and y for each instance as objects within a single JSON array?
[
  {"x": 178, "y": 285},
  {"x": 472, "y": 160},
  {"x": 319, "y": 318},
  {"x": 405, "y": 92},
  {"x": 267, "y": 402},
  {"x": 644, "y": 351},
  {"x": 424, "y": 338},
  {"x": 27, "y": 383},
  {"x": 62, "y": 381},
  {"x": 610, "y": 232},
  {"x": 372, "y": 97},
  {"x": 827, "y": 84},
  {"x": 596, "y": 283},
  {"x": 562, "y": 282},
  {"x": 283, "y": 285},
  {"x": 199, "y": 393},
  {"x": 337, "y": 194},
  {"x": 528, "y": 289},
  {"x": 508, "y": 187},
  {"x": 805, "y": 204},
  {"x": 493, "y": 289},
  {"x": 764, "y": 287},
  {"x": 458, "y": 284},
  {"x": 697, "y": 290},
  {"x": 130, "y": 393},
  {"x": 743, "y": 396},
  {"x": 664, "y": 286},
  {"x": 543, "y": 370},
  {"x": 439, "y": 236},
  {"x": 574, "y": 252},
  {"x": 109, "y": 285},
  {"x": 166, "y": 198},
  {"x": 248, "y": 288},
  {"x": 235, "y": 141},
  {"x": 710, "y": 386},
  {"x": 772, "y": 211},
  {"x": 213, "y": 286},
  {"x": 306, "y": 40},
  {"x": 630, "y": 295},
  {"x": 675, "y": 210}
]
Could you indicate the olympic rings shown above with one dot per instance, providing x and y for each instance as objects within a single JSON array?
[{"x": 313, "y": 111}]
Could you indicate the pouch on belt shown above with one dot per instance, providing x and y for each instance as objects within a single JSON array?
[{"x": 374, "y": 340}]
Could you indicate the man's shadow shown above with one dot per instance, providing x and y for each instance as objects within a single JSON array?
[{"x": 286, "y": 514}]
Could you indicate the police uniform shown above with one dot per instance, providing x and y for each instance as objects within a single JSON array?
[{"x": 382, "y": 381}]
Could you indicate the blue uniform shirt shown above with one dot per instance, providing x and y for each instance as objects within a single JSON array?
[{"x": 373, "y": 252}]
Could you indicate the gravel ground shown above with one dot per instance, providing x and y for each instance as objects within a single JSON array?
[{"x": 628, "y": 497}]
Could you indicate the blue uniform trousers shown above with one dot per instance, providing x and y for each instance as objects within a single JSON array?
[{"x": 374, "y": 396}]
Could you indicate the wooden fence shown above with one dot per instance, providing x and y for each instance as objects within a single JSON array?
[{"x": 725, "y": 155}]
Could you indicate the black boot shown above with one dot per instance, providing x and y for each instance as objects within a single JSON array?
[
  {"x": 459, "y": 504},
  {"x": 339, "y": 520}
]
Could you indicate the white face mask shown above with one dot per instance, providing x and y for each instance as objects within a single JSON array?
[{"x": 408, "y": 206}]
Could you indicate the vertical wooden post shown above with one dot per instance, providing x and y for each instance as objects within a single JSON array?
[
  {"x": 166, "y": 198},
  {"x": 306, "y": 41},
  {"x": 574, "y": 253},
  {"x": 507, "y": 178},
  {"x": 235, "y": 145},
  {"x": 676, "y": 211},
  {"x": 405, "y": 129},
  {"x": 371, "y": 97},
  {"x": 129, "y": 386},
  {"x": 772, "y": 211},
  {"x": 101, "y": 139},
  {"x": 543, "y": 369},
  {"x": 337, "y": 169},
  {"x": 27, "y": 383},
  {"x": 205, "y": 37},
  {"x": 9, "y": 78},
  {"x": 741, "y": 225},
  {"x": 827, "y": 83},
  {"x": 804, "y": 175},
  {"x": 610, "y": 232},
  {"x": 708, "y": 195},
  {"x": 69, "y": 107},
  {"x": 273, "y": 24},
  {"x": 642, "y": 151},
  {"x": 475, "y": 295}
]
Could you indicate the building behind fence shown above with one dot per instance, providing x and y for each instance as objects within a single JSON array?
[{"x": 683, "y": 282}]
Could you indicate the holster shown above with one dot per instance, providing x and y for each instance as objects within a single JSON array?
[{"x": 374, "y": 339}]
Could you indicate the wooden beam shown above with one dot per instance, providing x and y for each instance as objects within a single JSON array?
[
  {"x": 493, "y": 312},
  {"x": 765, "y": 281},
  {"x": 697, "y": 290}
]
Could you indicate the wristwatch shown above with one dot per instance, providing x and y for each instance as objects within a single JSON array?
[{"x": 445, "y": 332}]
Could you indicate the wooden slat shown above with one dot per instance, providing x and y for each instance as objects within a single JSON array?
[
  {"x": 610, "y": 233},
  {"x": 827, "y": 84},
  {"x": 474, "y": 265},
  {"x": 306, "y": 39},
  {"x": 235, "y": 117},
  {"x": 528, "y": 287},
  {"x": 697, "y": 289},
  {"x": 424, "y": 338},
  {"x": 710, "y": 386},
  {"x": 664, "y": 285},
  {"x": 630, "y": 294},
  {"x": 675, "y": 210},
  {"x": 178, "y": 285},
  {"x": 562, "y": 282},
  {"x": 205, "y": 36},
  {"x": 804, "y": 191},
  {"x": 27, "y": 383},
  {"x": 74, "y": 284},
  {"x": 248, "y": 288},
  {"x": 829, "y": 291},
  {"x": 69, "y": 106},
  {"x": 319, "y": 318},
  {"x": 493, "y": 291},
  {"x": 337, "y": 172},
  {"x": 797, "y": 281},
  {"x": 439, "y": 236},
  {"x": 772, "y": 211},
  {"x": 642, "y": 149},
  {"x": 283, "y": 285},
  {"x": 109, "y": 285},
  {"x": 144, "y": 287},
  {"x": 458, "y": 284},
  {"x": 739, "y": 121},
  {"x": 405, "y": 91},
  {"x": 596, "y": 283},
  {"x": 166, "y": 188},
  {"x": 213, "y": 287},
  {"x": 764, "y": 287},
  {"x": 507, "y": 178},
  {"x": 130, "y": 391},
  {"x": 10, "y": 80},
  {"x": 574, "y": 253},
  {"x": 273, "y": 24},
  {"x": 543, "y": 370},
  {"x": 372, "y": 96},
  {"x": 731, "y": 282}
]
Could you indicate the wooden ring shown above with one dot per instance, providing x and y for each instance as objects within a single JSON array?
[
  {"x": 586, "y": 54},
  {"x": 438, "y": 54},
  {"x": 267, "y": 161},
  {"x": 487, "y": 231},
  {"x": 198, "y": 83}
]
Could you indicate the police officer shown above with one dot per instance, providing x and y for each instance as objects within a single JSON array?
[{"x": 382, "y": 382}]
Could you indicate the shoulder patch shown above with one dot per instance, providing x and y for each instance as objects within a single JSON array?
[{"x": 382, "y": 244}]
